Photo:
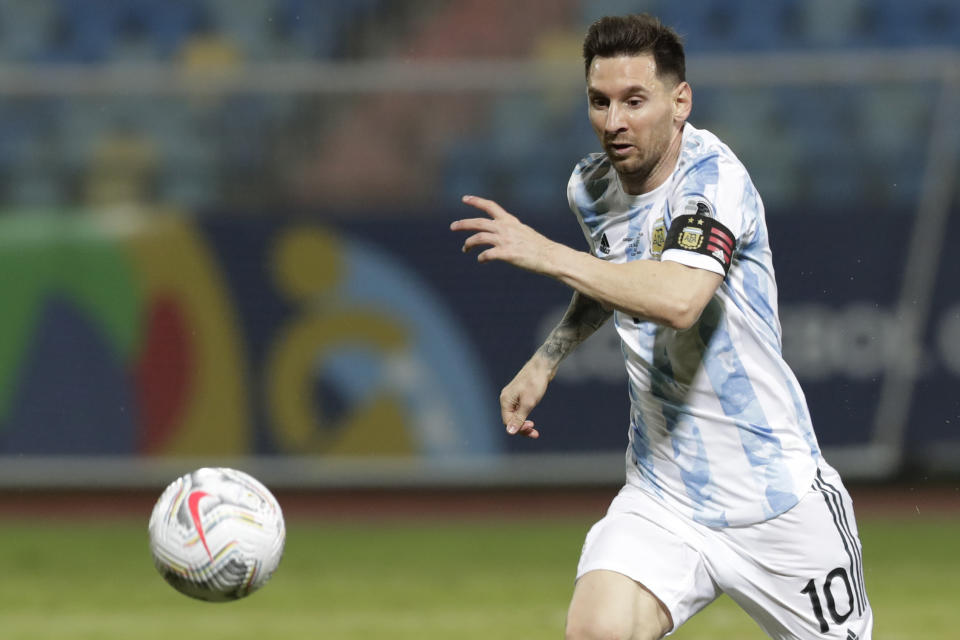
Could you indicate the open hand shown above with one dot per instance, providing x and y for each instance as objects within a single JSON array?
[{"x": 509, "y": 239}]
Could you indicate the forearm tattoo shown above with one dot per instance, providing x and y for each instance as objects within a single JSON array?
[{"x": 583, "y": 317}]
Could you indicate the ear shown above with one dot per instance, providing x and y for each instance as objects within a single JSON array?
[{"x": 682, "y": 101}]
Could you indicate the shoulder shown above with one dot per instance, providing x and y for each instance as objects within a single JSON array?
[
  {"x": 706, "y": 161},
  {"x": 591, "y": 169},
  {"x": 590, "y": 181},
  {"x": 711, "y": 180}
]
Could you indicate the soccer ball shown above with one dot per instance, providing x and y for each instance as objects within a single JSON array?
[{"x": 216, "y": 534}]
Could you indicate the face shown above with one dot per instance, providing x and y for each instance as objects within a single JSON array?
[{"x": 636, "y": 115}]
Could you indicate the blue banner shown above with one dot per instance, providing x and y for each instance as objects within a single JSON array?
[{"x": 283, "y": 336}]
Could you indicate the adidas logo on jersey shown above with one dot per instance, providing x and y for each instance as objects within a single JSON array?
[
  {"x": 604, "y": 245},
  {"x": 852, "y": 636}
]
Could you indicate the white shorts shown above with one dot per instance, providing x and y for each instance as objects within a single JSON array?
[{"x": 799, "y": 575}]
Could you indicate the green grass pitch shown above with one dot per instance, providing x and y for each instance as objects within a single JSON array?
[{"x": 461, "y": 579}]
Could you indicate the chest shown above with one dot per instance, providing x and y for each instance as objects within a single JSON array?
[{"x": 637, "y": 234}]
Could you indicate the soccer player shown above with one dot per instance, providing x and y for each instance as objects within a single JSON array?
[{"x": 726, "y": 489}]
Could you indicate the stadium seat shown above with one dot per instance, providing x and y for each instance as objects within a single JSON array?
[
  {"x": 919, "y": 23},
  {"x": 836, "y": 24},
  {"x": 711, "y": 25},
  {"x": 169, "y": 23},
  {"x": 26, "y": 29},
  {"x": 87, "y": 30}
]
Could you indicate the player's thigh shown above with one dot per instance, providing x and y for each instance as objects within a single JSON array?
[
  {"x": 612, "y": 606},
  {"x": 649, "y": 544},
  {"x": 800, "y": 575}
]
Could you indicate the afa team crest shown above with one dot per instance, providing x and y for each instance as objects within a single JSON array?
[
  {"x": 691, "y": 238},
  {"x": 659, "y": 238}
]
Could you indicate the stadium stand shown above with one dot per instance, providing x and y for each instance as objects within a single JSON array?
[{"x": 245, "y": 150}]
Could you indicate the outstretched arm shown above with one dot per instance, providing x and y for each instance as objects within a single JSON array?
[
  {"x": 667, "y": 293},
  {"x": 583, "y": 317}
]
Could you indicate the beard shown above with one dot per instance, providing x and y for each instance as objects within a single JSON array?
[
  {"x": 634, "y": 168},
  {"x": 637, "y": 168}
]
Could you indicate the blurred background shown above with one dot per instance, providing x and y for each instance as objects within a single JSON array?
[
  {"x": 224, "y": 241},
  {"x": 224, "y": 232}
]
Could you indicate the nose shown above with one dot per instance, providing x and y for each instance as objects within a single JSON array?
[{"x": 615, "y": 120}]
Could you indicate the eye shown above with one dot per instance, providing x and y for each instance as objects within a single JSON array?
[
  {"x": 635, "y": 101},
  {"x": 598, "y": 102}
]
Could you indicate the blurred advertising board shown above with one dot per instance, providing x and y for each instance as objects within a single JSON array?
[{"x": 372, "y": 351}]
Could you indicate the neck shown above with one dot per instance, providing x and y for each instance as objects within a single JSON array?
[{"x": 637, "y": 185}]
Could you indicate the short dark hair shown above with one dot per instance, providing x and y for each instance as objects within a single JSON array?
[{"x": 634, "y": 35}]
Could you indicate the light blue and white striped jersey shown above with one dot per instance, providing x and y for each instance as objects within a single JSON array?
[{"x": 719, "y": 427}]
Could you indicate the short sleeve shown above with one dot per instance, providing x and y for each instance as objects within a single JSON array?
[{"x": 710, "y": 216}]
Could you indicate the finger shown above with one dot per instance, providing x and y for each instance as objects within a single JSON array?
[
  {"x": 524, "y": 428},
  {"x": 473, "y": 224},
  {"x": 514, "y": 410},
  {"x": 515, "y": 420},
  {"x": 478, "y": 239},
  {"x": 528, "y": 431},
  {"x": 491, "y": 208},
  {"x": 488, "y": 255}
]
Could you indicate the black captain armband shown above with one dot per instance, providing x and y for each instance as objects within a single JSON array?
[{"x": 702, "y": 234}]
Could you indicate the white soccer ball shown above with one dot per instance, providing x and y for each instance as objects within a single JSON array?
[{"x": 217, "y": 534}]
